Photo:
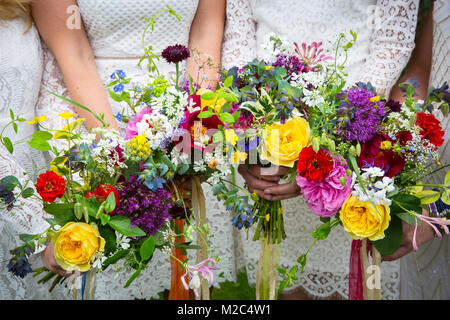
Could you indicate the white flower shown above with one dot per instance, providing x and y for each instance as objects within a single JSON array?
[{"x": 122, "y": 241}]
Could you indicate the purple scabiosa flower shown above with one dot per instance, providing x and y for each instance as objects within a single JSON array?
[
  {"x": 146, "y": 209},
  {"x": 175, "y": 53},
  {"x": 393, "y": 105},
  {"x": 292, "y": 64}
]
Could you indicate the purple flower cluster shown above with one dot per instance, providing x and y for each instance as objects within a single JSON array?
[
  {"x": 292, "y": 64},
  {"x": 175, "y": 53},
  {"x": 145, "y": 208},
  {"x": 365, "y": 115}
]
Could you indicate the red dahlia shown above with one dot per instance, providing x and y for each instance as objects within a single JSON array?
[
  {"x": 50, "y": 186},
  {"x": 314, "y": 165},
  {"x": 431, "y": 128}
]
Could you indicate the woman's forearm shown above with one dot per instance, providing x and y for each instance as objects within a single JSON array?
[
  {"x": 75, "y": 57},
  {"x": 205, "y": 38},
  {"x": 420, "y": 63}
]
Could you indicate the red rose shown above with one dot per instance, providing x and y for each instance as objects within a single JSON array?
[
  {"x": 372, "y": 155},
  {"x": 314, "y": 165},
  {"x": 102, "y": 192},
  {"x": 431, "y": 128},
  {"x": 196, "y": 129},
  {"x": 50, "y": 186}
]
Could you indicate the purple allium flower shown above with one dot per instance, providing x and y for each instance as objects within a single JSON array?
[
  {"x": 146, "y": 209},
  {"x": 363, "y": 115},
  {"x": 175, "y": 53}
]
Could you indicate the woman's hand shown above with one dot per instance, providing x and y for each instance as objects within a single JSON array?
[
  {"x": 424, "y": 234},
  {"x": 49, "y": 261},
  {"x": 265, "y": 182}
]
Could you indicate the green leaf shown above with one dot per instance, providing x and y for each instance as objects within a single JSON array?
[
  {"x": 62, "y": 212},
  {"x": 428, "y": 196},
  {"x": 8, "y": 144},
  {"x": 228, "y": 82},
  {"x": 227, "y": 117},
  {"x": 10, "y": 183},
  {"x": 110, "y": 203},
  {"x": 205, "y": 114},
  {"x": 408, "y": 218},
  {"x": 447, "y": 179},
  {"x": 147, "y": 248},
  {"x": 322, "y": 232},
  {"x": 393, "y": 238},
  {"x": 110, "y": 238},
  {"x": 209, "y": 95},
  {"x": 402, "y": 202},
  {"x": 39, "y": 140},
  {"x": 28, "y": 192},
  {"x": 446, "y": 197},
  {"x": 123, "y": 226},
  {"x": 14, "y": 127}
]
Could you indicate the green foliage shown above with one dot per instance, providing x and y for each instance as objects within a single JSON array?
[{"x": 239, "y": 290}]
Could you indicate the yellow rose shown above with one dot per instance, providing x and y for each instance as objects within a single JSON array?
[
  {"x": 216, "y": 103},
  {"x": 362, "y": 220},
  {"x": 282, "y": 143},
  {"x": 76, "y": 244}
]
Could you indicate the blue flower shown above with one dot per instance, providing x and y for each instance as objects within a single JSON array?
[
  {"x": 19, "y": 266},
  {"x": 119, "y": 116},
  {"x": 118, "y": 88},
  {"x": 154, "y": 183},
  {"x": 121, "y": 74}
]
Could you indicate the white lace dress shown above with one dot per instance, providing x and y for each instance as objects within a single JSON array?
[
  {"x": 20, "y": 76},
  {"x": 425, "y": 274},
  {"x": 114, "y": 28},
  {"x": 385, "y": 31}
]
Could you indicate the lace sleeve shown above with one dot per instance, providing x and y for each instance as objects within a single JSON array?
[
  {"x": 239, "y": 40},
  {"x": 27, "y": 216},
  {"x": 48, "y": 104},
  {"x": 392, "y": 42}
]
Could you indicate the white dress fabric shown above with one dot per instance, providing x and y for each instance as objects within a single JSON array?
[
  {"x": 20, "y": 76},
  {"x": 114, "y": 29},
  {"x": 425, "y": 274},
  {"x": 385, "y": 39}
]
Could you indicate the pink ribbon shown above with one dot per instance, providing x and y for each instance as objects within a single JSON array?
[{"x": 355, "y": 277}]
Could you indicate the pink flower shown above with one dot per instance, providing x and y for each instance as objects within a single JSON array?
[
  {"x": 132, "y": 130},
  {"x": 311, "y": 54},
  {"x": 196, "y": 273},
  {"x": 432, "y": 222},
  {"x": 325, "y": 197}
]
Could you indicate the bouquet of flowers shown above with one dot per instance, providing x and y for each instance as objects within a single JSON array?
[
  {"x": 118, "y": 197},
  {"x": 357, "y": 158}
]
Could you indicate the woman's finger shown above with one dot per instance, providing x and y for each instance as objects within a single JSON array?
[{"x": 283, "y": 189}]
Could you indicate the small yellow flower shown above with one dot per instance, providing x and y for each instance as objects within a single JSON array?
[
  {"x": 216, "y": 103},
  {"x": 386, "y": 145},
  {"x": 37, "y": 119},
  {"x": 71, "y": 126},
  {"x": 230, "y": 136},
  {"x": 239, "y": 156},
  {"x": 269, "y": 67},
  {"x": 213, "y": 164},
  {"x": 268, "y": 217},
  {"x": 139, "y": 147},
  {"x": 374, "y": 99},
  {"x": 67, "y": 115}
]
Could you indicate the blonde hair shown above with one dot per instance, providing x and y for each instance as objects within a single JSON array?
[{"x": 13, "y": 9}]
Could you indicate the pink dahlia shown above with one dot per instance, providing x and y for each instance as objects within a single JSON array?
[{"x": 325, "y": 197}]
